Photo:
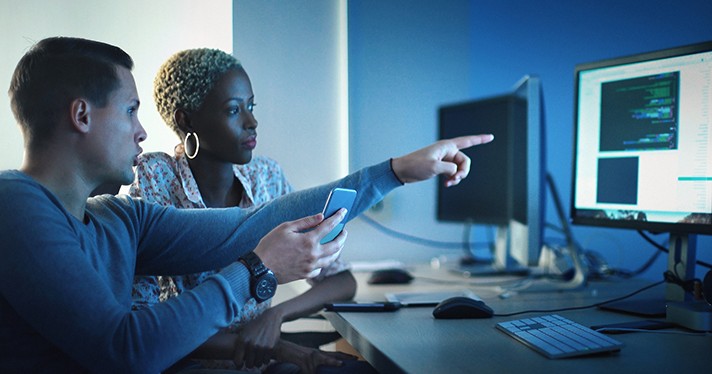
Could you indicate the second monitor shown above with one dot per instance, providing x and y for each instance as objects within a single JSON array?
[{"x": 506, "y": 185}]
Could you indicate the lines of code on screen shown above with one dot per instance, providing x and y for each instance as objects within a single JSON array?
[{"x": 640, "y": 113}]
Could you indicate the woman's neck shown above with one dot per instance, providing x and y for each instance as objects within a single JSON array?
[{"x": 217, "y": 183}]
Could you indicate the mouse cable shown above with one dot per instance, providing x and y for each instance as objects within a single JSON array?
[{"x": 584, "y": 306}]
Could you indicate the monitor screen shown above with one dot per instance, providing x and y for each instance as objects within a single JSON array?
[
  {"x": 643, "y": 158},
  {"x": 643, "y": 141},
  {"x": 486, "y": 195},
  {"x": 505, "y": 187}
]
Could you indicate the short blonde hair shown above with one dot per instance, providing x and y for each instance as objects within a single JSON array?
[{"x": 185, "y": 79}]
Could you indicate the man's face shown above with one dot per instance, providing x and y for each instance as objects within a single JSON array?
[{"x": 116, "y": 132}]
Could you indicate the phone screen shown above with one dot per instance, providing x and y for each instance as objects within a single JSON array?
[{"x": 338, "y": 198}]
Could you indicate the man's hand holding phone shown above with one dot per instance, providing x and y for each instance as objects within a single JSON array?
[
  {"x": 339, "y": 198},
  {"x": 299, "y": 249}
]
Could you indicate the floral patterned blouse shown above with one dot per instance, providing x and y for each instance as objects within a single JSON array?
[{"x": 168, "y": 180}]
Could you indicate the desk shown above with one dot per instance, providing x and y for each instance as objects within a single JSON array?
[{"x": 410, "y": 340}]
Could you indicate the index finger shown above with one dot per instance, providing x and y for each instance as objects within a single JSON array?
[{"x": 468, "y": 141}]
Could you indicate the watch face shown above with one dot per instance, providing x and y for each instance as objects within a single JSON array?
[{"x": 265, "y": 287}]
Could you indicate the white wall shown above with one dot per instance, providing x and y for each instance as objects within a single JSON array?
[
  {"x": 295, "y": 54},
  {"x": 149, "y": 31}
]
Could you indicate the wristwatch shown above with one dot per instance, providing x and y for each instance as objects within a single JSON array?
[{"x": 263, "y": 283}]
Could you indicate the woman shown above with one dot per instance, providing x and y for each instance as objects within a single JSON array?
[{"x": 206, "y": 98}]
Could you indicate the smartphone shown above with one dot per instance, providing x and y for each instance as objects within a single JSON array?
[{"x": 338, "y": 198}]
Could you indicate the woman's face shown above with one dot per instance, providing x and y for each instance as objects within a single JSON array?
[{"x": 224, "y": 123}]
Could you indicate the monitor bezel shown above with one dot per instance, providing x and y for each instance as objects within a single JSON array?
[{"x": 677, "y": 227}]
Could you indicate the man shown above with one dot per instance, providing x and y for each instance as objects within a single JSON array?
[{"x": 68, "y": 261}]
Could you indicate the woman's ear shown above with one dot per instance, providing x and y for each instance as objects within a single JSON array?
[
  {"x": 80, "y": 111},
  {"x": 182, "y": 121}
]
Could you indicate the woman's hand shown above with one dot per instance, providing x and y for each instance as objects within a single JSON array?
[
  {"x": 308, "y": 359},
  {"x": 258, "y": 336}
]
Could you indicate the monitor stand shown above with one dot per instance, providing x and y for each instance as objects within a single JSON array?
[
  {"x": 678, "y": 307},
  {"x": 577, "y": 281},
  {"x": 501, "y": 264},
  {"x": 682, "y": 309},
  {"x": 580, "y": 271}
]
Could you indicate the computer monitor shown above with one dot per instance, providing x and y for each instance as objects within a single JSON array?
[
  {"x": 506, "y": 185},
  {"x": 643, "y": 155}
]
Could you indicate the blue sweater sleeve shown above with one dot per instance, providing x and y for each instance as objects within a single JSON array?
[
  {"x": 65, "y": 284},
  {"x": 247, "y": 226}
]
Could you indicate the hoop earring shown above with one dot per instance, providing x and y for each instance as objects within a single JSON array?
[{"x": 197, "y": 145}]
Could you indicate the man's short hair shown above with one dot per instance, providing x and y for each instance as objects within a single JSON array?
[{"x": 56, "y": 71}]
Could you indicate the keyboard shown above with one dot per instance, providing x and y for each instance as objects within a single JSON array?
[{"x": 557, "y": 337}]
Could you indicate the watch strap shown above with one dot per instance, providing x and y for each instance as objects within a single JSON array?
[{"x": 254, "y": 264}]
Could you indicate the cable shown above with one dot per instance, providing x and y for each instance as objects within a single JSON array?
[
  {"x": 565, "y": 227},
  {"x": 651, "y": 241},
  {"x": 552, "y": 226},
  {"x": 414, "y": 239},
  {"x": 478, "y": 283},
  {"x": 623, "y": 273},
  {"x": 669, "y": 277},
  {"x": 630, "y": 274},
  {"x": 660, "y": 249},
  {"x": 663, "y": 249},
  {"x": 581, "y": 307},
  {"x": 688, "y": 285}
]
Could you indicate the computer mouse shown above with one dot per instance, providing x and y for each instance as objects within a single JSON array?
[
  {"x": 462, "y": 307},
  {"x": 390, "y": 276}
]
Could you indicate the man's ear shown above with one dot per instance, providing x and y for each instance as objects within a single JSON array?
[
  {"x": 182, "y": 121},
  {"x": 80, "y": 113}
]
